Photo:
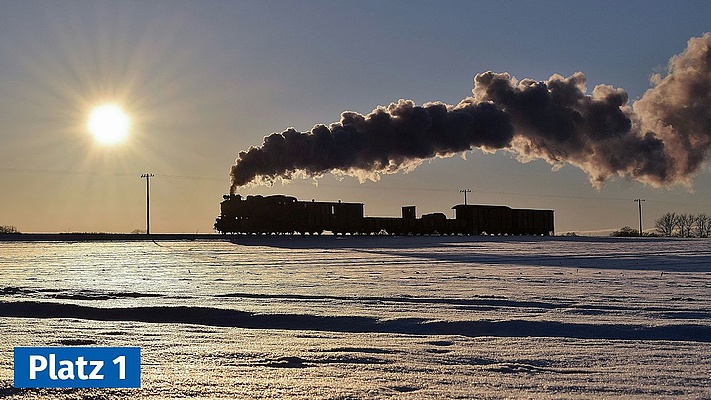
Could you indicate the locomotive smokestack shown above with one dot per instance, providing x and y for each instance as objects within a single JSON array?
[{"x": 661, "y": 139}]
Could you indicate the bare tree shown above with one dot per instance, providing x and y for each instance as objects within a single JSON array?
[
  {"x": 703, "y": 225},
  {"x": 685, "y": 223},
  {"x": 666, "y": 224}
]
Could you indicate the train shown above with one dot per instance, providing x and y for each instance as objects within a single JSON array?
[{"x": 285, "y": 215}]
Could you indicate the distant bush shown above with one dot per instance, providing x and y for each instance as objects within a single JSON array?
[
  {"x": 5, "y": 229},
  {"x": 625, "y": 232}
]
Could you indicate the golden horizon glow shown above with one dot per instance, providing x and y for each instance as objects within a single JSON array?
[{"x": 109, "y": 124}]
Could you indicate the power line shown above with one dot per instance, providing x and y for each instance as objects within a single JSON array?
[
  {"x": 103, "y": 173},
  {"x": 434, "y": 190},
  {"x": 194, "y": 178},
  {"x": 359, "y": 187},
  {"x": 504, "y": 193},
  {"x": 62, "y": 172}
]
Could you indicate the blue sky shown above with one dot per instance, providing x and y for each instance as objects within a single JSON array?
[{"x": 203, "y": 80}]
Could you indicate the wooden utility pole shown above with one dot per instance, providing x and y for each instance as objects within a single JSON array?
[
  {"x": 640, "y": 214},
  {"x": 465, "y": 191},
  {"x": 148, "y": 202}
]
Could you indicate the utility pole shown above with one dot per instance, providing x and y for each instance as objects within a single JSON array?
[
  {"x": 148, "y": 201},
  {"x": 640, "y": 214},
  {"x": 465, "y": 191}
]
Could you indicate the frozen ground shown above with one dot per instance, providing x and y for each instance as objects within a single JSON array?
[{"x": 372, "y": 317}]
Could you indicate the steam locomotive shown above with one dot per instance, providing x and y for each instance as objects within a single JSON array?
[{"x": 281, "y": 214}]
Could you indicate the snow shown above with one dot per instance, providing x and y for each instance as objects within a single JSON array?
[{"x": 372, "y": 317}]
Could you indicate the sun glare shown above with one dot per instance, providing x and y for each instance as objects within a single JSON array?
[{"x": 108, "y": 124}]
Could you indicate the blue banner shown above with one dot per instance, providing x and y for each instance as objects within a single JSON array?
[{"x": 77, "y": 367}]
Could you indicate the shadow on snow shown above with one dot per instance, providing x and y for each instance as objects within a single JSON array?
[
  {"x": 651, "y": 254},
  {"x": 355, "y": 324}
]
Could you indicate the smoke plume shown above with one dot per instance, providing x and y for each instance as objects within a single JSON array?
[{"x": 661, "y": 139}]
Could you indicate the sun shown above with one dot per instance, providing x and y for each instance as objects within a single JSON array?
[{"x": 108, "y": 124}]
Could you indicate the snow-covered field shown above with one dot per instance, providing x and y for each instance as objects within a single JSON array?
[{"x": 372, "y": 317}]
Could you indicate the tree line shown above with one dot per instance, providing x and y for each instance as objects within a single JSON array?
[
  {"x": 684, "y": 225},
  {"x": 4, "y": 229}
]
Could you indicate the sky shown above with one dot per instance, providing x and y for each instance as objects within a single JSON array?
[{"x": 202, "y": 81}]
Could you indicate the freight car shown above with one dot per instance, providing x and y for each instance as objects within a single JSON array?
[{"x": 281, "y": 214}]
